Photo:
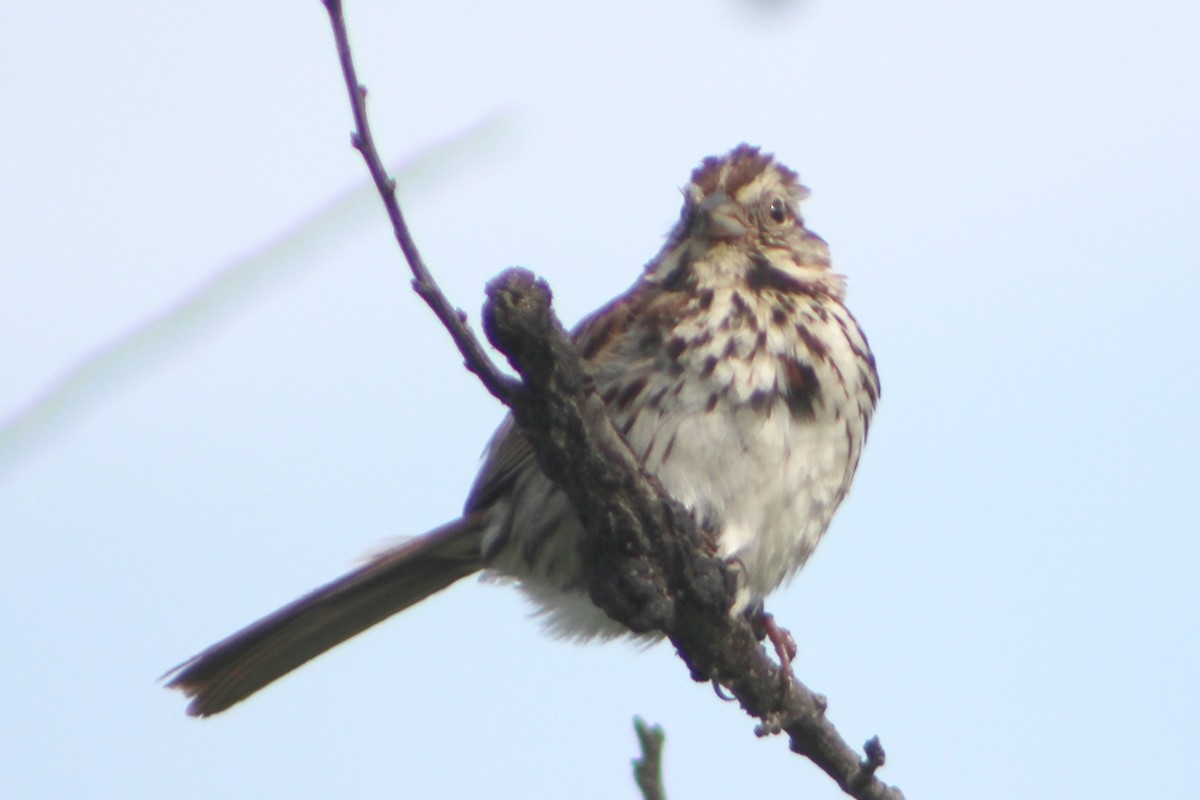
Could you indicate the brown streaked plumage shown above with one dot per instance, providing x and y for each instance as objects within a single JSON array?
[{"x": 735, "y": 372}]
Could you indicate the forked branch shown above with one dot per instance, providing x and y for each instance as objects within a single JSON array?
[{"x": 647, "y": 565}]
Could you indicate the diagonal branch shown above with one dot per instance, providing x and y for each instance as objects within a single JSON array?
[
  {"x": 475, "y": 357},
  {"x": 97, "y": 373},
  {"x": 647, "y": 565}
]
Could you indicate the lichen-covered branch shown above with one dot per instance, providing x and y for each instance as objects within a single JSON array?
[{"x": 647, "y": 565}]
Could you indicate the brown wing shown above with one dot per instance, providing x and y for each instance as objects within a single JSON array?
[{"x": 507, "y": 456}]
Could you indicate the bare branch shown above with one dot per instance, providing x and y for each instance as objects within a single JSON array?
[
  {"x": 475, "y": 357},
  {"x": 647, "y": 770},
  {"x": 647, "y": 565}
]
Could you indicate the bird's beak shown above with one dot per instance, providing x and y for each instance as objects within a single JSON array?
[{"x": 722, "y": 217}]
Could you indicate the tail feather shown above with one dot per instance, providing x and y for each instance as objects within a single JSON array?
[{"x": 235, "y": 668}]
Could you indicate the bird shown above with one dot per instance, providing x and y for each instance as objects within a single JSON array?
[{"x": 736, "y": 374}]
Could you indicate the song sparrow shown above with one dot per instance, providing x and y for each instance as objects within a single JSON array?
[{"x": 734, "y": 371}]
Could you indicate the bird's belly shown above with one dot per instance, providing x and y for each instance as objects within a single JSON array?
[{"x": 766, "y": 481}]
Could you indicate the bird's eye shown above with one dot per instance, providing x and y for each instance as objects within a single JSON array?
[{"x": 778, "y": 210}]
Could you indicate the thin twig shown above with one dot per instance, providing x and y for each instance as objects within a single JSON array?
[
  {"x": 646, "y": 563},
  {"x": 500, "y": 385},
  {"x": 647, "y": 770}
]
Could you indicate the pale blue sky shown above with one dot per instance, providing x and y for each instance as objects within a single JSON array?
[{"x": 1008, "y": 599}]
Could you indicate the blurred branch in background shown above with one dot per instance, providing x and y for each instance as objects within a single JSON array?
[{"x": 97, "y": 373}]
